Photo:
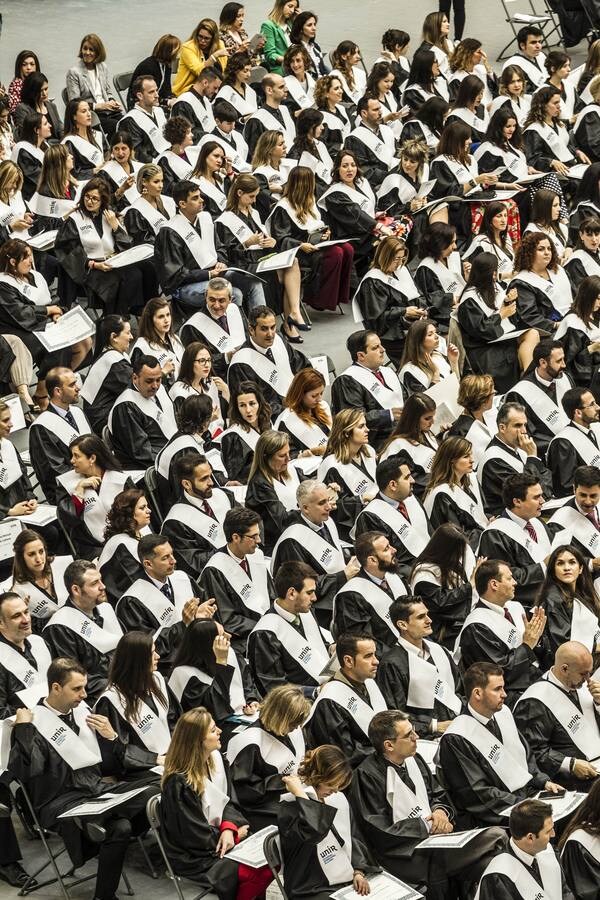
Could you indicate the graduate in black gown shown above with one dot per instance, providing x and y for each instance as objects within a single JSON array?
[
  {"x": 268, "y": 749},
  {"x": 580, "y": 850},
  {"x": 328, "y": 96},
  {"x": 28, "y": 152},
  {"x": 249, "y": 415},
  {"x": 110, "y": 372},
  {"x": 398, "y": 802},
  {"x": 321, "y": 848},
  {"x": 200, "y": 817},
  {"x": 139, "y": 706},
  {"x": 272, "y": 485},
  {"x": 126, "y": 521},
  {"x": 579, "y": 333},
  {"x": 585, "y": 259}
]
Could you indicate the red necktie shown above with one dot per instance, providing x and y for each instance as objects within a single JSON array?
[
  {"x": 402, "y": 509},
  {"x": 531, "y": 531},
  {"x": 508, "y": 616},
  {"x": 593, "y": 517},
  {"x": 245, "y": 566},
  {"x": 379, "y": 377},
  {"x": 224, "y": 323},
  {"x": 206, "y": 508}
]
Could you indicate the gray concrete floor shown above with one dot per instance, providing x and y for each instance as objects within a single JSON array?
[{"x": 53, "y": 29}]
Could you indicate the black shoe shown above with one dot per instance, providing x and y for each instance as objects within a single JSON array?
[
  {"x": 16, "y": 875},
  {"x": 301, "y": 326}
]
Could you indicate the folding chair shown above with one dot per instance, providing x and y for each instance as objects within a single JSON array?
[
  {"x": 26, "y": 807},
  {"x": 272, "y": 851},
  {"x": 151, "y": 486},
  {"x": 153, "y": 815},
  {"x": 121, "y": 84},
  {"x": 106, "y": 437},
  {"x": 533, "y": 18},
  {"x": 67, "y": 534}
]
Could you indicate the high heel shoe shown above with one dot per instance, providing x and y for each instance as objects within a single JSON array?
[
  {"x": 293, "y": 340},
  {"x": 301, "y": 326}
]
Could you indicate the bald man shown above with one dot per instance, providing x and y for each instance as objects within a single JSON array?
[{"x": 559, "y": 716}]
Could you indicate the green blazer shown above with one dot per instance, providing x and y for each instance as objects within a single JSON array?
[{"x": 276, "y": 45}]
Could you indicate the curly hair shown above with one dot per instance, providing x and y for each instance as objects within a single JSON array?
[
  {"x": 539, "y": 101},
  {"x": 237, "y": 62},
  {"x": 322, "y": 88},
  {"x": 119, "y": 519},
  {"x": 528, "y": 248},
  {"x": 463, "y": 54}
]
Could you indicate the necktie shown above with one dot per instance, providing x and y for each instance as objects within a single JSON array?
[
  {"x": 70, "y": 721},
  {"x": 551, "y": 391},
  {"x": 167, "y": 590},
  {"x": 535, "y": 871},
  {"x": 379, "y": 377},
  {"x": 592, "y": 437},
  {"x": 593, "y": 517},
  {"x": 492, "y": 726},
  {"x": 508, "y": 616},
  {"x": 158, "y": 403},
  {"x": 384, "y": 585},
  {"x": 245, "y": 566},
  {"x": 70, "y": 418},
  {"x": 406, "y": 778},
  {"x": 224, "y": 323},
  {"x": 531, "y": 531},
  {"x": 269, "y": 355},
  {"x": 402, "y": 509},
  {"x": 325, "y": 534},
  {"x": 296, "y": 622},
  {"x": 207, "y": 509},
  {"x": 98, "y": 619}
]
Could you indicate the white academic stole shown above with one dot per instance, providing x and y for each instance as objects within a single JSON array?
[
  {"x": 309, "y": 652},
  {"x": 407, "y": 804},
  {"x": 215, "y": 797},
  {"x": 77, "y": 750},
  {"x": 506, "y": 757},
  {"x": 329, "y": 558},
  {"x": 355, "y": 479},
  {"x": 558, "y": 142},
  {"x": 216, "y": 336},
  {"x": 308, "y": 434},
  {"x": 343, "y": 695},
  {"x": 522, "y": 879},
  {"x": 200, "y": 522},
  {"x": 152, "y": 729},
  {"x": 383, "y": 146},
  {"x": 181, "y": 676},
  {"x": 278, "y": 375},
  {"x": 400, "y": 281},
  {"x": 201, "y": 246},
  {"x": 58, "y": 425},
  {"x": 581, "y": 727},
  {"x": 412, "y": 534},
  {"x": 510, "y": 634},
  {"x": 252, "y": 589},
  {"x": 428, "y": 683},
  {"x": 99, "y": 372},
  {"x": 102, "y": 639},
  {"x": 96, "y": 504},
  {"x": 579, "y": 526},
  {"x": 536, "y": 398},
  {"x": 33, "y": 678},
  {"x": 585, "y": 447},
  {"x": 379, "y": 600},
  {"x": 151, "y": 214},
  {"x": 164, "y": 418},
  {"x": 449, "y": 276},
  {"x": 152, "y": 127},
  {"x": 362, "y": 195},
  {"x": 388, "y": 395},
  {"x": 273, "y": 751}
]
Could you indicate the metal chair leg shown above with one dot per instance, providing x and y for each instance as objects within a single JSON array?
[
  {"x": 153, "y": 872},
  {"x": 127, "y": 883}
]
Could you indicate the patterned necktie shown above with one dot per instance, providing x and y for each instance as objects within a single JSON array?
[
  {"x": 208, "y": 510},
  {"x": 269, "y": 355},
  {"x": 531, "y": 531},
  {"x": 167, "y": 590},
  {"x": 70, "y": 418},
  {"x": 402, "y": 509}
]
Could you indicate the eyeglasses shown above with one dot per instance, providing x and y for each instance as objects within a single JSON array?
[
  {"x": 203, "y": 359},
  {"x": 589, "y": 405}
]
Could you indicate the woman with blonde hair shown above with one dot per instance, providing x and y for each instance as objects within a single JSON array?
[
  {"x": 204, "y": 48},
  {"x": 269, "y": 152},
  {"x": 347, "y": 69},
  {"x": 270, "y": 748},
  {"x": 276, "y": 32},
  {"x": 469, "y": 58},
  {"x": 149, "y": 212},
  {"x": 387, "y": 298},
  {"x": 349, "y": 462},
  {"x": 272, "y": 485},
  {"x": 426, "y": 358},
  {"x": 14, "y": 217},
  {"x": 199, "y": 820},
  {"x": 398, "y": 192},
  {"x": 296, "y": 222},
  {"x": 157, "y": 338},
  {"x": 307, "y": 416},
  {"x": 313, "y": 815},
  {"x": 453, "y": 494},
  {"x": 477, "y": 422}
]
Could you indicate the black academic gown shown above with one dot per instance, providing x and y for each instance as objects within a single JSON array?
[
  {"x": 289, "y": 235},
  {"x": 31, "y": 168},
  {"x": 303, "y": 824},
  {"x": 191, "y": 550},
  {"x": 582, "y": 366},
  {"x": 190, "y": 333},
  {"x": 23, "y": 318},
  {"x": 49, "y": 457},
  {"x": 348, "y": 504},
  {"x": 529, "y": 575},
  {"x": 347, "y": 392},
  {"x": 333, "y": 138},
  {"x": 175, "y": 264},
  {"x": 448, "y": 607},
  {"x": 18, "y": 491},
  {"x": 254, "y": 127},
  {"x": 247, "y": 259},
  {"x": 478, "y": 643},
  {"x": 120, "y": 572},
  {"x": 136, "y": 437},
  {"x": 347, "y": 220},
  {"x": 393, "y": 680},
  {"x": 185, "y": 109},
  {"x": 117, "y": 379},
  {"x": 581, "y": 870},
  {"x": 549, "y": 741},
  {"x": 354, "y": 615},
  {"x": 538, "y": 430},
  {"x": 534, "y": 308},
  {"x": 272, "y": 665},
  {"x": 393, "y": 843},
  {"x": 558, "y": 626},
  {"x": 262, "y": 498},
  {"x": 258, "y": 784},
  {"x": 563, "y": 459},
  {"x": 368, "y": 521},
  {"x": 478, "y": 331},
  {"x": 327, "y": 585},
  {"x": 373, "y": 168},
  {"x": 447, "y": 185},
  {"x": 237, "y": 456},
  {"x": 134, "y": 616},
  {"x": 500, "y": 887},
  {"x": 239, "y": 372},
  {"x": 446, "y": 509},
  {"x": 383, "y": 311},
  {"x": 438, "y": 302},
  {"x": 331, "y": 723},
  {"x": 477, "y": 793},
  {"x": 190, "y": 841},
  {"x": 65, "y": 642},
  {"x": 10, "y": 702},
  {"x": 216, "y": 695},
  {"x": 237, "y": 619},
  {"x": 496, "y": 471},
  {"x": 539, "y": 154},
  {"x": 128, "y": 758}
]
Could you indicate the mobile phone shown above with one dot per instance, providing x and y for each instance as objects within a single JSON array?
[{"x": 549, "y": 795}]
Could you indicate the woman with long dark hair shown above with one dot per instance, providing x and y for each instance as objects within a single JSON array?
[
  {"x": 412, "y": 440},
  {"x": 584, "y": 262},
  {"x": 306, "y": 418},
  {"x": 25, "y": 63},
  {"x": 121, "y": 169},
  {"x": 427, "y": 124},
  {"x": 587, "y": 198},
  {"x": 587, "y": 124},
  {"x": 440, "y": 275},
  {"x": 579, "y": 846},
  {"x": 34, "y": 99},
  {"x": 296, "y": 222},
  {"x": 487, "y": 316},
  {"x": 139, "y": 707},
  {"x": 210, "y": 176},
  {"x": 426, "y": 359},
  {"x": 199, "y": 820},
  {"x": 38, "y": 576},
  {"x": 570, "y": 601},
  {"x": 197, "y": 377},
  {"x": 249, "y": 415},
  {"x": 424, "y": 81},
  {"x": 87, "y": 492},
  {"x": 208, "y": 672},
  {"x": 502, "y": 146},
  {"x": 28, "y": 152},
  {"x": 273, "y": 746},
  {"x": 436, "y": 31},
  {"x": 468, "y": 107},
  {"x": 444, "y": 576},
  {"x": 88, "y": 156},
  {"x": 309, "y": 149},
  {"x": 379, "y": 84},
  {"x": 545, "y": 217},
  {"x": 157, "y": 337},
  {"x": 453, "y": 494},
  {"x": 494, "y": 237},
  {"x": 127, "y": 521},
  {"x": 304, "y": 32},
  {"x": 236, "y": 88},
  {"x": 346, "y": 61},
  {"x": 110, "y": 372}
]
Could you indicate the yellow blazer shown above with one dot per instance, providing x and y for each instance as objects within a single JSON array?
[{"x": 191, "y": 63}]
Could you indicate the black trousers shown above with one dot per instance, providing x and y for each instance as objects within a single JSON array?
[{"x": 459, "y": 15}]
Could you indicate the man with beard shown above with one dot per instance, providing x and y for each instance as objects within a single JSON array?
[
  {"x": 363, "y": 603},
  {"x": 579, "y": 518},
  {"x": 579, "y": 443},
  {"x": 418, "y": 675},
  {"x": 541, "y": 392}
]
